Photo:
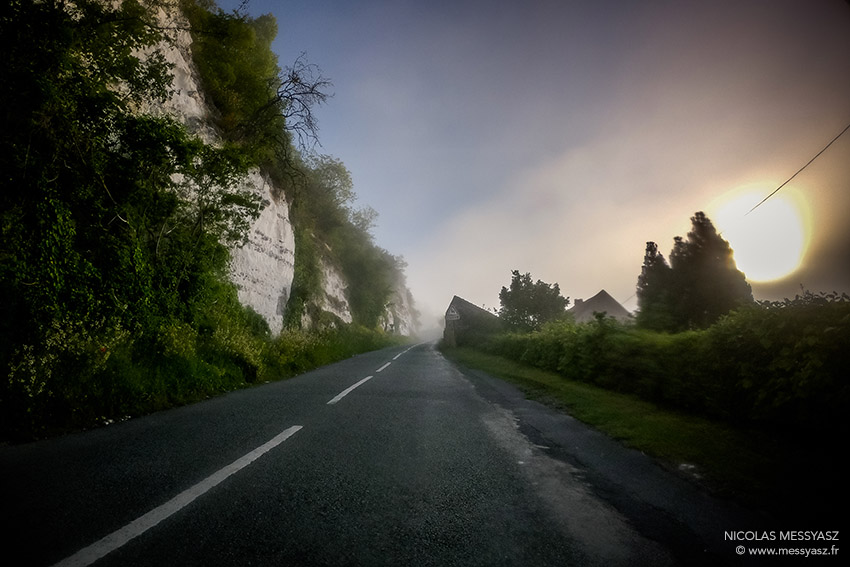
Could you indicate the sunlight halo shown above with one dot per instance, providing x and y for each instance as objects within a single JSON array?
[{"x": 770, "y": 242}]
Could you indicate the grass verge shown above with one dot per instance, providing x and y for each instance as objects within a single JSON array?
[{"x": 750, "y": 467}]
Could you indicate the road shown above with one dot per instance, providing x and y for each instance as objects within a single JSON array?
[{"x": 394, "y": 457}]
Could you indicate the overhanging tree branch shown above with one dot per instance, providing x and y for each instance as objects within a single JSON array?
[{"x": 301, "y": 88}]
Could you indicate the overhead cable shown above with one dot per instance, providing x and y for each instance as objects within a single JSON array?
[{"x": 799, "y": 170}]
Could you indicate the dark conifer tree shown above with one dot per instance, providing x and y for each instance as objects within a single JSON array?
[
  {"x": 701, "y": 284},
  {"x": 653, "y": 291}
]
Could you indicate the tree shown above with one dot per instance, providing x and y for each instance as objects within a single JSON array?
[
  {"x": 111, "y": 220},
  {"x": 705, "y": 267},
  {"x": 653, "y": 291},
  {"x": 701, "y": 284},
  {"x": 527, "y": 305},
  {"x": 260, "y": 105}
]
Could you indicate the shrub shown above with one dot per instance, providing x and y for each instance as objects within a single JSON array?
[{"x": 768, "y": 365}]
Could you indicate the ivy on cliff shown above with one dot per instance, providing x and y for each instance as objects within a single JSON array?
[
  {"x": 115, "y": 224},
  {"x": 261, "y": 106}
]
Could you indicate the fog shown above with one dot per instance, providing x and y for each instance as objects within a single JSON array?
[{"x": 557, "y": 138}]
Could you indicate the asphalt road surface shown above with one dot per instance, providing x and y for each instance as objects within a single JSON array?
[{"x": 394, "y": 457}]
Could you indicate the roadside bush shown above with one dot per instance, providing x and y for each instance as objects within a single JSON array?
[
  {"x": 769, "y": 365},
  {"x": 785, "y": 363},
  {"x": 294, "y": 352}
]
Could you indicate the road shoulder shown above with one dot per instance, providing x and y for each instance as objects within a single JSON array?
[{"x": 661, "y": 505}]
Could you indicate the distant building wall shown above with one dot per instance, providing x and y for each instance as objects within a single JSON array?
[{"x": 468, "y": 324}]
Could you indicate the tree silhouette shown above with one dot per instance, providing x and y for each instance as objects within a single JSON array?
[
  {"x": 527, "y": 305},
  {"x": 653, "y": 291},
  {"x": 701, "y": 283}
]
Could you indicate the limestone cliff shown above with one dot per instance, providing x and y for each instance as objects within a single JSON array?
[
  {"x": 263, "y": 268},
  {"x": 400, "y": 317}
]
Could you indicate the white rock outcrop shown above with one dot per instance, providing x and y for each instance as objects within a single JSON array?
[
  {"x": 187, "y": 103},
  {"x": 333, "y": 298},
  {"x": 400, "y": 317},
  {"x": 264, "y": 267}
]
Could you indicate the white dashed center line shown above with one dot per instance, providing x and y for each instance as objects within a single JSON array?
[{"x": 347, "y": 391}]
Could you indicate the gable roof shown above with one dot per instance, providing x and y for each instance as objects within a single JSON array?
[
  {"x": 462, "y": 307},
  {"x": 467, "y": 323},
  {"x": 602, "y": 302}
]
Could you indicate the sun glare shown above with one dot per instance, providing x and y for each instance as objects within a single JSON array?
[{"x": 770, "y": 242}]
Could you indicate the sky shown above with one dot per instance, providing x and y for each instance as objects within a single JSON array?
[{"x": 558, "y": 137}]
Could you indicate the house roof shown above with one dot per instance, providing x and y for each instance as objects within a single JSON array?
[
  {"x": 602, "y": 302},
  {"x": 462, "y": 307}
]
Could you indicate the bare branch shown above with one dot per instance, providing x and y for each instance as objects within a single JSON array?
[{"x": 301, "y": 87}]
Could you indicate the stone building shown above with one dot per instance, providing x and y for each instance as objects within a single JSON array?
[{"x": 467, "y": 323}]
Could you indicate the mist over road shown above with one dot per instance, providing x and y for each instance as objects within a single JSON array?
[{"x": 394, "y": 457}]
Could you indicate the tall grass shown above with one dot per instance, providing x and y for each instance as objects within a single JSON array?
[
  {"x": 83, "y": 382},
  {"x": 788, "y": 477}
]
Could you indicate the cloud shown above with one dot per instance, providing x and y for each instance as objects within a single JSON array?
[{"x": 559, "y": 137}]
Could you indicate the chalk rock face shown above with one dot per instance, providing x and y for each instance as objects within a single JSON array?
[
  {"x": 187, "y": 103},
  {"x": 263, "y": 268},
  {"x": 333, "y": 298},
  {"x": 400, "y": 318}
]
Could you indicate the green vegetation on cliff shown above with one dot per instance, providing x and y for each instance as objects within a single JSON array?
[
  {"x": 116, "y": 223},
  {"x": 261, "y": 108}
]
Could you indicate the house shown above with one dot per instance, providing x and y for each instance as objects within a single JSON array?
[
  {"x": 467, "y": 323},
  {"x": 584, "y": 310}
]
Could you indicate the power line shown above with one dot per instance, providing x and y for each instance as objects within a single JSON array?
[{"x": 799, "y": 170}]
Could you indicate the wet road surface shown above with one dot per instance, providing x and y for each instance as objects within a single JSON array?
[{"x": 394, "y": 457}]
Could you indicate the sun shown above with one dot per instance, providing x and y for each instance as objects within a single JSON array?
[{"x": 770, "y": 242}]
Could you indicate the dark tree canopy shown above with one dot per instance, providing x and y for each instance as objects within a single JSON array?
[
  {"x": 701, "y": 283},
  {"x": 527, "y": 305},
  {"x": 654, "y": 292}
]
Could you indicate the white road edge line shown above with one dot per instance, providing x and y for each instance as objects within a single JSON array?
[
  {"x": 348, "y": 390},
  {"x": 116, "y": 539},
  {"x": 382, "y": 367}
]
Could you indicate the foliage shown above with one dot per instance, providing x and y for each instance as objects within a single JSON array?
[
  {"x": 527, "y": 305},
  {"x": 259, "y": 104},
  {"x": 700, "y": 285},
  {"x": 90, "y": 204},
  {"x": 307, "y": 277},
  {"x": 333, "y": 230},
  {"x": 654, "y": 292},
  {"x": 778, "y": 365},
  {"x": 294, "y": 352},
  {"x": 116, "y": 224}
]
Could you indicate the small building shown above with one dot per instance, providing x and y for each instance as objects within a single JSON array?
[
  {"x": 467, "y": 323},
  {"x": 585, "y": 310}
]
